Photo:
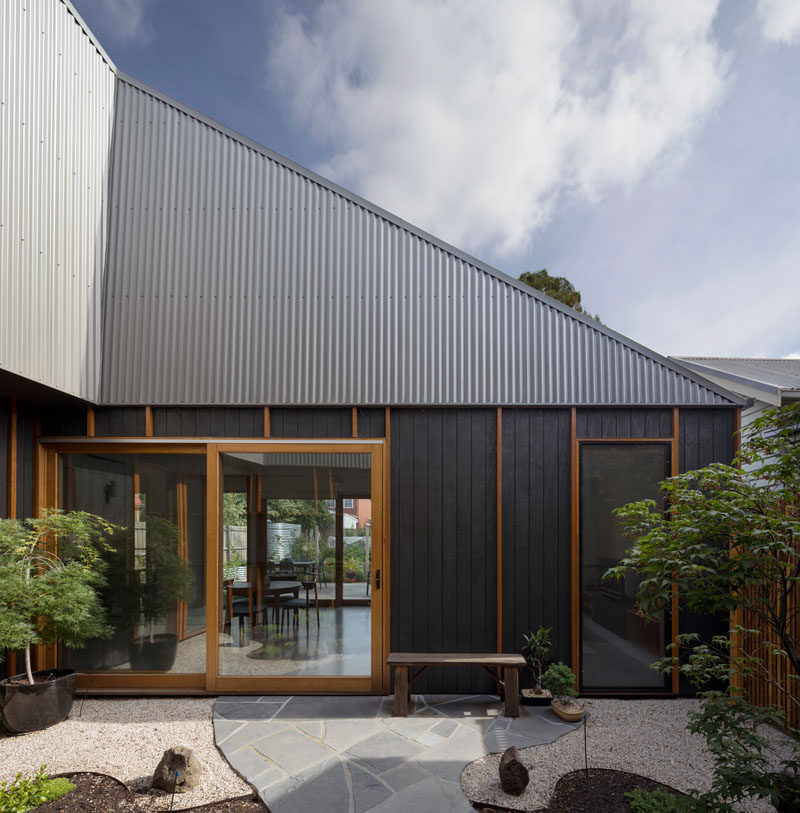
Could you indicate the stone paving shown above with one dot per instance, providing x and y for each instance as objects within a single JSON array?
[{"x": 349, "y": 755}]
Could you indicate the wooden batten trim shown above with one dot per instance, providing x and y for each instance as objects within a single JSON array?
[
  {"x": 626, "y": 440},
  {"x": 11, "y": 504},
  {"x": 499, "y": 529},
  {"x": 575, "y": 548},
  {"x": 148, "y": 421},
  {"x": 675, "y": 603},
  {"x": 736, "y": 618},
  {"x": 267, "y": 423},
  {"x": 90, "y": 421},
  {"x": 213, "y": 499},
  {"x": 387, "y": 547},
  {"x": 354, "y": 422}
]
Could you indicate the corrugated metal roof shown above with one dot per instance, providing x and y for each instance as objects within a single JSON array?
[
  {"x": 775, "y": 374},
  {"x": 237, "y": 277},
  {"x": 234, "y": 276}
]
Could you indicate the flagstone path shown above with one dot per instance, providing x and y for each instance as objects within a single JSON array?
[{"x": 346, "y": 754}]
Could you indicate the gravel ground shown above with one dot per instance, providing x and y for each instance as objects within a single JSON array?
[
  {"x": 646, "y": 737},
  {"x": 126, "y": 739}
]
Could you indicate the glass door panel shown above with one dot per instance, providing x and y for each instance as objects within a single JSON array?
[
  {"x": 617, "y": 646},
  {"x": 295, "y": 592}
]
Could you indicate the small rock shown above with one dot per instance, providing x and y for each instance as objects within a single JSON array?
[
  {"x": 513, "y": 774},
  {"x": 179, "y": 770}
]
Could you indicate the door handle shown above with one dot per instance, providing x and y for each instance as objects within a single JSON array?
[{"x": 378, "y": 579}]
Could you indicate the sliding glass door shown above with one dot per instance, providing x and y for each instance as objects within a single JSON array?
[{"x": 617, "y": 646}]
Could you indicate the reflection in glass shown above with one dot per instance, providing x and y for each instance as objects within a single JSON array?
[
  {"x": 154, "y": 592},
  {"x": 617, "y": 646},
  {"x": 296, "y": 564}
]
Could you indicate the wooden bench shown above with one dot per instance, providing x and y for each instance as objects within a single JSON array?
[{"x": 506, "y": 677}]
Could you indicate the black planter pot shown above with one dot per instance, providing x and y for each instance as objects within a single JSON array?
[
  {"x": 29, "y": 707},
  {"x": 157, "y": 655}
]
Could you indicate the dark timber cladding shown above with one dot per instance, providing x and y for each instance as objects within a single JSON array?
[
  {"x": 119, "y": 422},
  {"x": 706, "y": 436},
  {"x": 536, "y": 526},
  {"x": 222, "y": 422},
  {"x": 309, "y": 422},
  {"x": 25, "y": 455},
  {"x": 371, "y": 423},
  {"x": 443, "y": 532},
  {"x": 5, "y": 426},
  {"x": 623, "y": 423}
]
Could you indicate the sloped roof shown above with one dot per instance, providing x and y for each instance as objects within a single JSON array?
[
  {"x": 775, "y": 376},
  {"x": 232, "y": 275}
]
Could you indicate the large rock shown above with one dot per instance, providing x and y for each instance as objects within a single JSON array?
[
  {"x": 513, "y": 774},
  {"x": 179, "y": 770}
]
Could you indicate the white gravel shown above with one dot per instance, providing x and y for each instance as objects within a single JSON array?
[
  {"x": 646, "y": 737},
  {"x": 126, "y": 738}
]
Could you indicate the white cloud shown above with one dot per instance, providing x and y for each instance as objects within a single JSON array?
[
  {"x": 780, "y": 20},
  {"x": 125, "y": 21},
  {"x": 473, "y": 119}
]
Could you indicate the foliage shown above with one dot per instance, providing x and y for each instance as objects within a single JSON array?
[
  {"x": 559, "y": 680},
  {"x": 310, "y": 515},
  {"x": 730, "y": 540},
  {"x": 655, "y": 801},
  {"x": 234, "y": 508},
  {"x": 229, "y": 567},
  {"x": 51, "y": 568},
  {"x": 535, "y": 648},
  {"x": 164, "y": 575},
  {"x": 27, "y": 793},
  {"x": 559, "y": 288}
]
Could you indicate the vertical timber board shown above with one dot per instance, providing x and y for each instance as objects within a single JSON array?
[
  {"x": 120, "y": 422},
  {"x": 25, "y": 461},
  {"x": 5, "y": 436},
  {"x": 372, "y": 422},
  {"x": 706, "y": 435},
  {"x": 311, "y": 422},
  {"x": 443, "y": 516},
  {"x": 623, "y": 422},
  {"x": 216, "y": 422},
  {"x": 536, "y": 544}
]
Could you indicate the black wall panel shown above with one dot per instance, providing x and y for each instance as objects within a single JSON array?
[
  {"x": 371, "y": 422},
  {"x": 536, "y": 527},
  {"x": 120, "y": 422},
  {"x": 218, "y": 422},
  {"x": 63, "y": 420},
  {"x": 311, "y": 422},
  {"x": 5, "y": 418},
  {"x": 443, "y": 539},
  {"x": 25, "y": 432},
  {"x": 706, "y": 436},
  {"x": 615, "y": 422}
]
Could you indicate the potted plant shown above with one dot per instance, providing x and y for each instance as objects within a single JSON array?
[
  {"x": 560, "y": 681},
  {"x": 535, "y": 648},
  {"x": 51, "y": 569},
  {"x": 163, "y": 578}
]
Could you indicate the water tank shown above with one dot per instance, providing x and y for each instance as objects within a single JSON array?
[{"x": 280, "y": 536}]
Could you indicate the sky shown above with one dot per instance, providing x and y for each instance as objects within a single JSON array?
[{"x": 647, "y": 151}]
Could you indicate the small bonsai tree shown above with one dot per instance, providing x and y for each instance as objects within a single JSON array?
[
  {"x": 164, "y": 575},
  {"x": 559, "y": 680},
  {"x": 51, "y": 568},
  {"x": 535, "y": 648}
]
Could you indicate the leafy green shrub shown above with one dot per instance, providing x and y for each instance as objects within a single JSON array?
[
  {"x": 27, "y": 793},
  {"x": 535, "y": 648},
  {"x": 559, "y": 680},
  {"x": 655, "y": 801}
]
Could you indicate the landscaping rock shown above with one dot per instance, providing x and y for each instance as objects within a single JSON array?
[
  {"x": 513, "y": 774},
  {"x": 179, "y": 770}
]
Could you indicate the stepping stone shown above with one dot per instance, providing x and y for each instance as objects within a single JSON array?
[
  {"x": 429, "y": 739},
  {"x": 224, "y": 728},
  {"x": 447, "y": 760},
  {"x": 435, "y": 795},
  {"x": 314, "y": 729},
  {"x": 321, "y": 788},
  {"x": 292, "y": 751},
  {"x": 404, "y": 775},
  {"x": 343, "y": 734},
  {"x": 385, "y": 751},
  {"x": 368, "y": 790},
  {"x": 445, "y": 728},
  {"x": 249, "y": 733},
  {"x": 248, "y": 763},
  {"x": 411, "y": 727},
  {"x": 244, "y": 711},
  {"x": 498, "y": 739}
]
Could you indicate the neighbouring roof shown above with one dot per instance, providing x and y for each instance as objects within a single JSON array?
[
  {"x": 776, "y": 377},
  {"x": 232, "y": 275}
]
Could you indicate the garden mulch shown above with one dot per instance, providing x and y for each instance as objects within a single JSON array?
[
  {"x": 596, "y": 791},
  {"x": 96, "y": 792}
]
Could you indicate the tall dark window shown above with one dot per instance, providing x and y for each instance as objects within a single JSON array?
[{"x": 617, "y": 646}]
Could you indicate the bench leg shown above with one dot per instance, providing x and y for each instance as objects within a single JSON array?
[
  {"x": 511, "y": 680},
  {"x": 401, "y": 689}
]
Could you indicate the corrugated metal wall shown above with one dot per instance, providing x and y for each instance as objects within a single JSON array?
[
  {"x": 235, "y": 278},
  {"x": 56, "y": 118}
]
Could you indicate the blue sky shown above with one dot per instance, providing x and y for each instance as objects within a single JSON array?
[{"x": 646, "y": 151}]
